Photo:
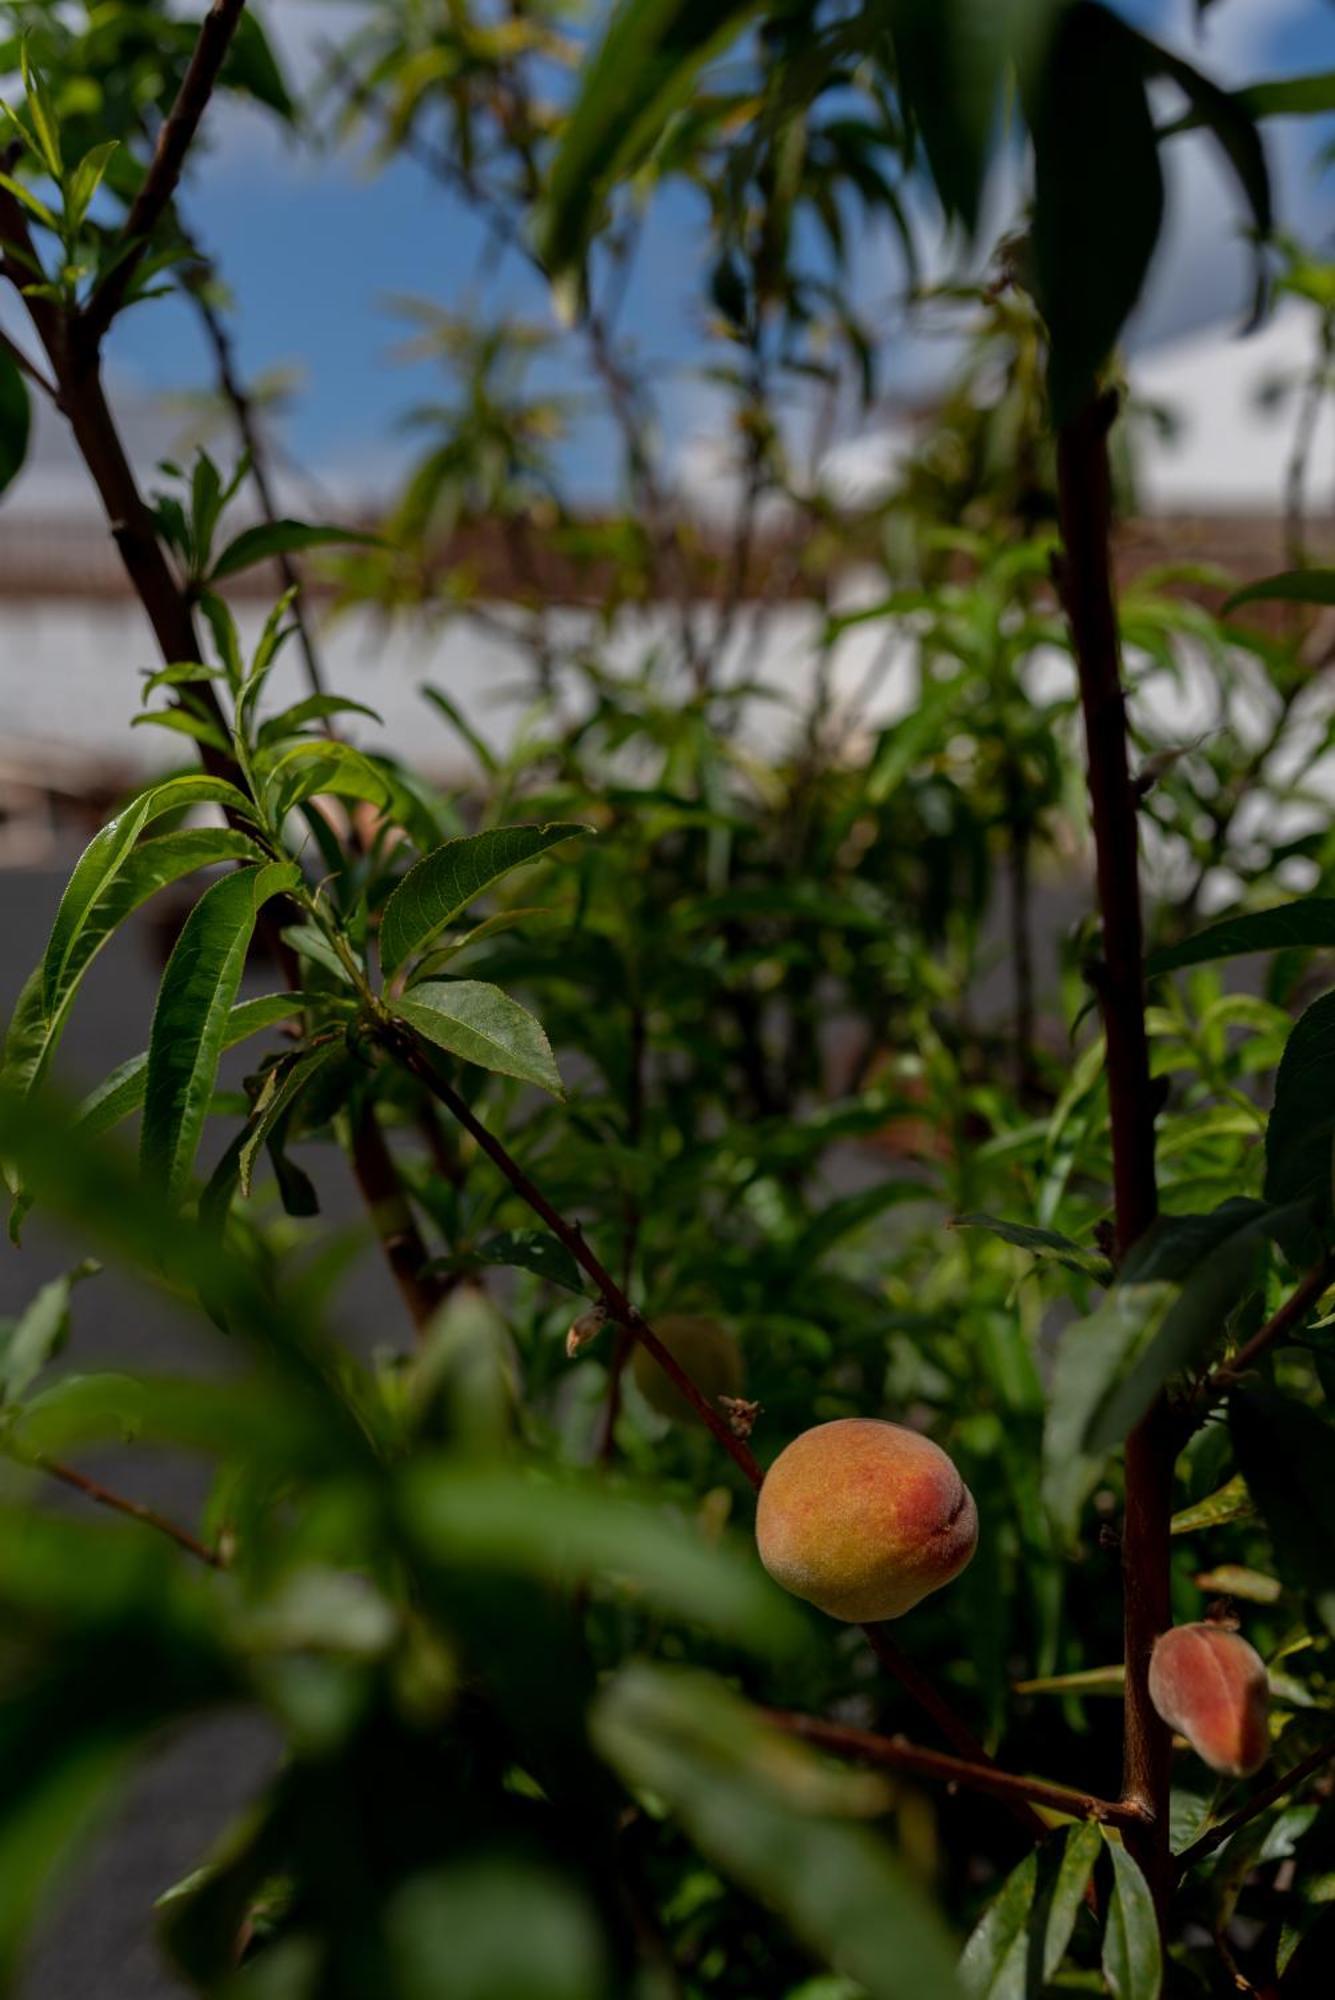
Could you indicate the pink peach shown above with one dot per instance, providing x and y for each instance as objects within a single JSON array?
[{"x": 1209, "y": 1685}]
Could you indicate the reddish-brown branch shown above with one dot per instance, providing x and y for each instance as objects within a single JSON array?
[
  {"x": 135, "y": 1509},
  {"x": 895, "y": 1753},
  {"x": 1251, "y": 1808},
  {"x": 1085, "y": 575},
  {"x": 164, "y": 173},
  {"x": 619, "y": 1307},
  {"x": 393, "y": 1220},
  {"x": 1282, "y": 1322}
]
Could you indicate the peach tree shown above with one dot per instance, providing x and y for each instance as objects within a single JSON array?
[{"x": 658, "y": 1069}]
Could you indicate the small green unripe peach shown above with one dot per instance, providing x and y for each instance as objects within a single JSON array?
[
  {"x": 864, "y": 1518},
  {"x": 1209, "y": 1685},
  {"x": 708, "y": 1353}
]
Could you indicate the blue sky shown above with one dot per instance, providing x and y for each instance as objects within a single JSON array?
[{"x": 314, "y": 247}]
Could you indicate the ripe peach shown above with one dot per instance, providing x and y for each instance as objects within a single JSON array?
[
  {"x": 708, "y": 1353},
  {"x": 864, "y": 1518},
  {"x": 1210, "y": 1686}
]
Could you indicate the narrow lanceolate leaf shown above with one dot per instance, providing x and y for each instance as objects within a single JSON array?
[
  {"x": 443, "y": 884},
  {"x": 1228, "y": 1244},
  {"x": 107, "y": 852},
  {"x": 38, "y": 1333},
  {"x": 1230, "y": 1502},
  {"x": 1023, "y": 1934},
  {"x": 483, "y": 1025},
  {"x": 1299, "y": 1134},
  {"x": 121, "y": 1094},
  {"x": 309, "y": 769},
  {"x": 15, "y": 419},
  {"x": 194, "y": 1000},
  {"x": 274, "y": 1105},
  {"x": 276, "y": 538},
  {"x": 1291, "y": 586},
  {"x": 1290, "y": 926},
  {"x": 1098, "y": 194},
  {"x": 1048, "y": 1245},
  {"x": 1132, "y": 1959},
  {"x": 34, "y": 1034},
  {"x": 642, "y": 72}
]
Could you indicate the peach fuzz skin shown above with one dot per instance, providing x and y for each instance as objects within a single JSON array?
[
  {"x": 864, "y": 1518},
  {"x": 1210, "y": 1686}
]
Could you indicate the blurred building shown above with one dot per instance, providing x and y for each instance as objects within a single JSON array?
[{"x": 73, "y": 641}]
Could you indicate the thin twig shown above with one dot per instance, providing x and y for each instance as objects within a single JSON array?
[
  {"x": 1280, "y": 1324},
  {"x": 1085, "y": 580},
  {"x": 1255, "y": 1805},
  {"x": 28, "y": 368},
  {"x": 896, "y": 1753},
  {"x": 619, "y": 1308},
  {"x": 164, "y": 173},
  {"x": 137, "y": 1511}
]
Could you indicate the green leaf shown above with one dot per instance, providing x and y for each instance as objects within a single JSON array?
[
  {"x": 1302, "y": 1121},
  {"x": 252, "y": 67},
  {"x": 34, "y": 1035},
  {"x": 281, "y": 538},
  {"x": 1132, "y": 1955},
  {"x": 1098, "y": 195},
  {"x": 311, "y": 768},
  {"x": 1223, "y": 1248},
  {"x": 441, "y": 886},
  {"x": 194, "y": 1001},
  {"x": 86, "y": 180},
  {"x": 503, "y": 1927},
  {"x": 483, "y": 1025},
  {"x": 1022, "y": 1937},
  {"x": 1288, "y": 927},
  {"x": 38, "y": 1333},
  {"x": 15, "y": 419},
  {"x": 45, "y": 124},
  {"x": 33, "y": 203},
  {"x": 313, "y": 709},
  {"x": 781, "y": 1824},
  {"x": 1291, "y": 96},
  {"x": 1093, "y": 1353},
  {"x": 561, "y": 1531},
  {"x": 1048, "y": 1245},
  {"x": 288, "y": 1082},
  {"x": 1286, "y": 1453},
  {"x": 643, "y": 70},
  {"x": 951, "y": 57},
  {"x": 121, "y": 1094},
  {"x": 454, "y": 715},
  {"x": 1233, "y": 125},
  {"x": 1230, "y": 1502},
  {"x": 1291, "y": 586},
  {"x": 46, "y": 1826},
  {"x": 106, "y": 854},
  {"x": 533, "y": 1250}
]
